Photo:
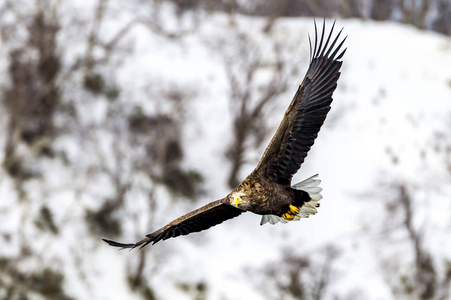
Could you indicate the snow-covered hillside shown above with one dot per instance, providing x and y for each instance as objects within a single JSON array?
[{"x": 389, "y": 123}]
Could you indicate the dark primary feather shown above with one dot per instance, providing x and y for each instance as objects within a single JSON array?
[
  {"x": 200, "y": 219},
  {"x": 306, "y": 113}
]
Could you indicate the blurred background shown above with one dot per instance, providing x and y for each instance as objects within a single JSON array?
[{"x": 118, "y": 116}]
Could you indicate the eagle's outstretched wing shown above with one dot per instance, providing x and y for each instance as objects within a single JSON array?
[
  {"x": 200, "y": 219},
  {"x": 306, "y": 113}
]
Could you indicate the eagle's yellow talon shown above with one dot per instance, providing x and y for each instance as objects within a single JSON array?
[
  {"x": 294, "y": 210},
  {"x": 288, "y": 216}
]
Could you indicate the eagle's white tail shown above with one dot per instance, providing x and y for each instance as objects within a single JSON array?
[{"x": 311, "y": 186}]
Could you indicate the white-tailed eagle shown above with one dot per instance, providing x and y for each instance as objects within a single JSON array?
[{"x": 267, "y": 191}]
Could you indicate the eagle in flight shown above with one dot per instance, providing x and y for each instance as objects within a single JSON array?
[{"x": 267, "y": 191}]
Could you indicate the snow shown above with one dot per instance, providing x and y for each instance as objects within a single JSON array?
[{"x": 392, "y": 98}]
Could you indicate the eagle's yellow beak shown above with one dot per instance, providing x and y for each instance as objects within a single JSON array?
[{"x": 237, "y": 200}]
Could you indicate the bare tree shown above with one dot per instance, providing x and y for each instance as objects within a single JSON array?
[
  {"x": 33, "y": 96},
  {"x": 381, "y": 10},
  {"x": 442, "y": 23},
  {"x": 415, "y": 12},
  {"x": 351, "y": 8},
  {"x": 298, "y": 275},
  {"x": 422, "y": 279}
]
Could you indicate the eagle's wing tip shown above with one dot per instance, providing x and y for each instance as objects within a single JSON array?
[{"x": 116, "y": 244}]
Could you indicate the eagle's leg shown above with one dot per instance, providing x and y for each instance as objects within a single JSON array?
[
  {"x": 292, "y": 211},
  {"x": 288, "y": 216}
]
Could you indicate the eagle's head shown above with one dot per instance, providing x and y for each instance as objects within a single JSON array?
[
  {"x": 239, "y": 200},
  {"x": 246, "y": 194}
]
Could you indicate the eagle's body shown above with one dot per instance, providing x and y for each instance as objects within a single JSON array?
[
  {"x": 266, "y": 197},
  {"x": 267, "y": 191}
]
